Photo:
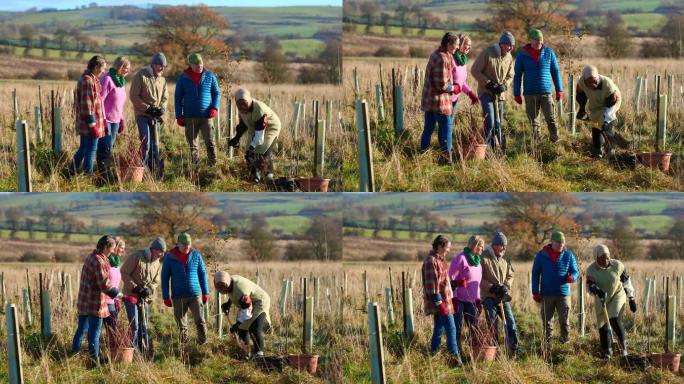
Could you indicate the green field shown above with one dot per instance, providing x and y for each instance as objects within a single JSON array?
[{"x": 41, "y": 235}]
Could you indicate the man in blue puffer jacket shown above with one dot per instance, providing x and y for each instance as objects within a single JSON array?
[
  {"x": 557, "y": 268},
  {"x": 184, "y": 268},
  {"x": 197, "y": 102},
  {"x": 536, "y": 65}
]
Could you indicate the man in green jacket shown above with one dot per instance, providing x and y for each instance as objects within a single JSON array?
[{"x": 495, "y": 286}]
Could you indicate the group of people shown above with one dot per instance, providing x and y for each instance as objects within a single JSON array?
[
  {"x": 101, "y": 98},
  {"x": 184, "y": 286},
  {"x": 537, "y": 81},
  {"x": 480, "y": 279}
]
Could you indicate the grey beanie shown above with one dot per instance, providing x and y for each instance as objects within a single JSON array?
[
  {"x": 159, "y": 244},
  {"x": 159, "y": 59},
  {"x": 499, "y": 239},
  {"x": 507, "y": 38}
]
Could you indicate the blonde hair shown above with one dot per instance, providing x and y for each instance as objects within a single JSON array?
[
  {"x": 463, "y": 38},
  {"x": 119, "y": 242},
  {"x": 121, "y": 62},
  {"x": 474, "y": 241}
]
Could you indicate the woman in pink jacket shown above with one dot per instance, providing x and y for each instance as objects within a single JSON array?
[
  {"x": 113, "y": 95},
  {"x": 114, "y": 305},
  {"x": 465, "y": 273},
  {"x": 459, "y": 73}
]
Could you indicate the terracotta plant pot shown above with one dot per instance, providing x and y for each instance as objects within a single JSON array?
[
  {"x": 307, "y": 363},
  {"x": 666, "y": 361},
  {"x": 654, "y": 160},
  {"x": 477, "y": 152},
  {"x": 134, "y": 174},
  {"x": 122, "y": 355},
  {"x": 484, "y": 353},
  {"x": 312, "y": 184}
]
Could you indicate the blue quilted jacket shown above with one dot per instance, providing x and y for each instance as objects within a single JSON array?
[
  {"x": 193, "y": 100},
  {"x": 554, "y": 276},
  {"x": 538, "y": 77},
  {"x": 187, "y": 280}
]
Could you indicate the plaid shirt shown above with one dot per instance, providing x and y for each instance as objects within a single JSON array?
[
  {"x": 436, "y": 281},
  {"x": 94, "y": 282},
  {"x": 437, "y": 79},
  {"x": 89, "y": 103}
]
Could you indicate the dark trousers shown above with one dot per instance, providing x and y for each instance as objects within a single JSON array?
[{"x": 256, "y": 332}]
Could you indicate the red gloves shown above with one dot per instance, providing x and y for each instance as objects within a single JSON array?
[
  {"x": 537, "y": 297},
  {"x": 461, "y": 283},
  {"x": 167, "y": 302},
  {"x": 559, "y": 95},
  {"x": 473, "y": 98},
  {"x": 518, "y": 99},
  {"x": 212, "y": 113},
  {"x": 442, "y": 309},
  {"x": 478, "y": 304},
  {"x": 181, "y": 122},
  {"x": 571, "y": 279},
  {"x": 131, "y": 299},
  {"x": 245, "y": 302},
  {"x": 122, "y": 126},
  {"x": 205, "y": 298}
]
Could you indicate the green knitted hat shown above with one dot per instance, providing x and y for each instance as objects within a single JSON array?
[
  {"x": 558, "y": 236},
  {"x": 536, "y": 34},
  {"x": 184, "y": 238},
  {"x": 195, "y": 58}
]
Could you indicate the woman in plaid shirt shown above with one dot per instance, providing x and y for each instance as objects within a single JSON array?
[
  {"x": 437, "y": 297},
  {"x": 90, "y": 121}
]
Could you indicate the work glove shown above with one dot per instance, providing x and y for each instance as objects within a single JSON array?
[
  {"x": 181, "y": 122},
  {"x": 234, "y": 142},
  {"x": 537, "y": 297},
  {"x": 473, "y": 98},
  {"x": 442, "y": 309},
  {"x": 225, "y": 307},
  {"x": 559, "y": 95},
  {"x": 234, "y": 328},
  {"x": 168, "y": 303},
  {"x": 150, "y": 110},
  {"x": 250, "y": 155},
  {"x": 601, "y": 295},
  {"x": 122, "y": 126},
  {"x": 461, "y": 283},
  {"x": 502, "y": 291},
  {"x": 494, "y": 290},
  {"x": 518, "y": 99},
  {"x": 205, "y": 298},
  {"x": 90, "y": 119},
  {"x": 131, "y": 299},
  {"x": 632, "y": 305},
  {"x": 212, "y": 113},
  {"x": 450, "y": 88},
  {"x": 146, "y": 292},
  {"x": 491, "y": 85},
  {"x": 161, "y": 111},
  {"x": 582, "y": 114},
  {"x": 500, "y": 88},
  {"x": 138, "y": 290},
  {"x": 570, "y": 279},
  {"x": 245, "y": 302}
]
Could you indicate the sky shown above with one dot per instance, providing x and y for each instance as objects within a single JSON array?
[{"x": 14, "y": 5}]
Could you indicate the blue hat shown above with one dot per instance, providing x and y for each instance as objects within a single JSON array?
[
  {"x": 159, "y": 59},
  {"x": 499, "y": 239},
  {"x": 159, "y": 244},
  {"x": 507, "y": 38}
]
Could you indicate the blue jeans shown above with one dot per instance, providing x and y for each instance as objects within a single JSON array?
[
  {"x": 487, "y": 102},
  {"x": 107, "y": 142},
  {"x": 444, "y": 324},
  {"x": 149, "y": 151},
  {"x": 446, "y": 126},
  {"x": 491, "y": 308},
  {"x": 86, "y": 154},
  {"x": 134, "y": 313},
  {"x": 92, "y": 325},
  {"x": 470, "y": 311}
]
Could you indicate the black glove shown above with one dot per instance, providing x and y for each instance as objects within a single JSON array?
[
  {"x": 250, "y": 155},
  {"x": 161, "y": 111},
  {"x": 138, "y": 290},
  {"x": 150, "y": 110},
  {"x": 632, "y": 305},
  {"x": 581, "y": 114},
  {"x": 146, "y": 292},
  {"x": 500, "y": 88},
  {"x": 494, "y": 290},
  {"x": 491, "y": 85},
  {"x": 234, "y": 328},
  {"x": 601, "y": 295},
  {"x": 225, "y": 307},
  {"x": 234, "y": 142},
  {"x": 503, "y": 291}
]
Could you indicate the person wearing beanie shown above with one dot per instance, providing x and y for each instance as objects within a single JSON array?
[
  {"x": 436, "y": 97},
  {"x": 553, "y": 270},
  {"x": 599, "y": 100},
  {"x": 493, "y": 71},
  {"x": 465, "y": 274},
  {"x": 609, "y": 283},
  {"x": 536, "y": 67},
  {"x": 438, "y": 299},
  {"x": 149, "y": 96},
  {"x": 113, "y": 95},
  {"x": 94, "y": 288},
  {"x": 495, "y": 288},
  {"x": 90, "y": 116},
  {"x": 140, "y": 276},
  {"x": 262, "y": 125},
  {"x": 247, "y": 295},
  {"x": 198, "y": 98},
  {"x": 184, "y": 286}
]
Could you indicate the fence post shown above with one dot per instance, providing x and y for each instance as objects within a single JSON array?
[
  {"x": 356, "y": 84},
  {"x": 571, "y": 104},
  {"x": 39, "y": 124},
  {"x": 390, "y": 306},
  {"x": 23, "y": 157},
  {"x": 308, "y": 325},
  {"x": 661, "y": 139},
  {"x": 408, "y": 313},
  {"x": 366, "y": 175},
  {"x": 283, "y": 297},
  {"x": 57, "y": 131},
  {"x": 380, "y": 102},
  {"x": 671, "y": 326},
  {"x": 70, "y": 292},
  {"x": 581, "y": 314},
  {"x": 375, "y": 340},
  {"x": 16, "y": 373},
  {"x": 15, "y": 104},
  {"x": 28, "y": 319},
  {"x": 637, "y": 94},
  {"x": 319, "y": 155},
  {"x": 647, "y": 295},
  {"x": 397, "y": 106},
  {"x": 295, "y": 119},
  {"x": 47, "y": 321},
  {"x": 219, "y": 315},
  {"x": 365, "y": 289}
]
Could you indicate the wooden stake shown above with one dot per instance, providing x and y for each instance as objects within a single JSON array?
[
  {"x": 661, "y": 136},
  {"x": 390, "y": 306},
  {"x": 671, "y": 325},
  {"x": 319, "y": 155},
  {"x": 57, "y": 131},
  {"x": 581, "y": 315},
  {"x": 23, "y": 157},
  {"x": 308, "y": 325},
  {"x": 380, "y": 103},
  {"x": 365, "y": 149},
  {"x": 28, "y": 318},
  {"x": 219, "y": 315},
  {"x": 39, "y": 124},
  {"x": 283, "y": 298},
  {"x": 376, "y": 349},
  {"x": 16, "y": 373}
]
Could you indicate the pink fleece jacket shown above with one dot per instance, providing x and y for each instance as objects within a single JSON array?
[
  {"x": 461, "y": 270},
  {"x": 459, "y": 75},
  {"x": 114, "y": 280},
  {"x": 113, "y": 98}
]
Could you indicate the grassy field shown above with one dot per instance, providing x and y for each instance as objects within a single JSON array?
[
  {"x": 528, "y": 166},
  {"x": 291, "y": 158},
  {"x": 576, "y": 361},
  {"x": 219, "y": 361}
]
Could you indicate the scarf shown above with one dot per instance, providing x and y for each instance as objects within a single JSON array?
[
  {"x": 114, "y": 260},
  {"x": 473, "y": 260},
  {"x": 461, "y": 58},
  {"x": 119, "y": 81}
]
